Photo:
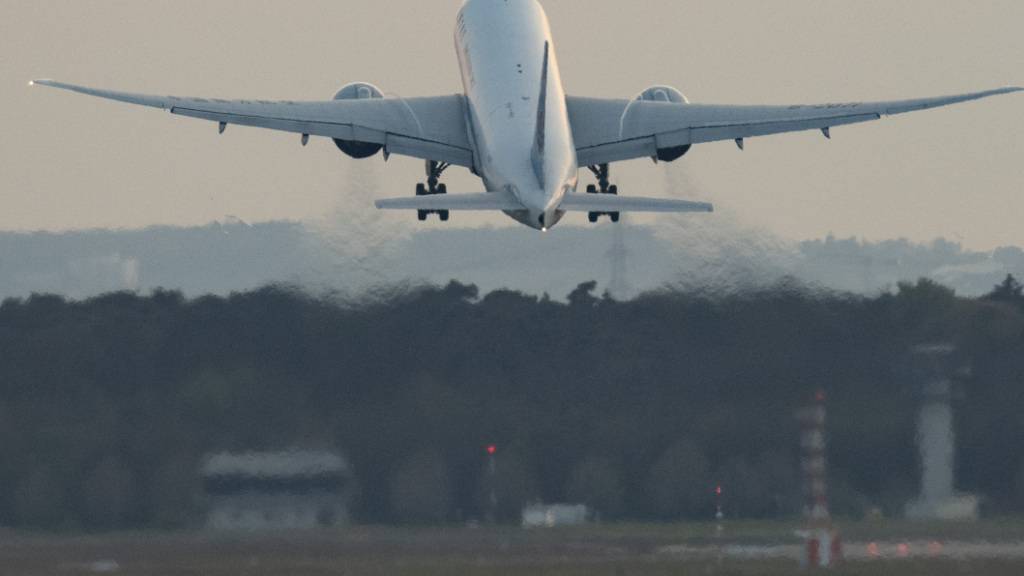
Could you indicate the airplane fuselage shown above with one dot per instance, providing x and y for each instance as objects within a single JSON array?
[{"x": 501, "y": 49}]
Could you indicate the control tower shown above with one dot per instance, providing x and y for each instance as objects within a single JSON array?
[{"x": 936, "y": 364}]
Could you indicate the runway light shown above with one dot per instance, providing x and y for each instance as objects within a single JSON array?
[
  {"x": 873, "y": 550},
  {"x": 903, "y": 550}
]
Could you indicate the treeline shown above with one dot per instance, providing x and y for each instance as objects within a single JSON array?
[{"x": 638, "y": 408}]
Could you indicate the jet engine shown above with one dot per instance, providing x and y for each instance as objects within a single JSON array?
[
  {"x": 358, "y": 91},
  {"x": 669, "y": 95}
]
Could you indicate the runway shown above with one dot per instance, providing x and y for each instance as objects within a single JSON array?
[{"x": 859, "y": 551}]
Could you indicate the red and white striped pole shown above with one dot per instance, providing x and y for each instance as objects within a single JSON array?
[{"x": 824, "y": 548}]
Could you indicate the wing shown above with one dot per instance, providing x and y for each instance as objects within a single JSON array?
[
  {"x": 614, "y": 130},
  {"x": 432, "y": 128}
]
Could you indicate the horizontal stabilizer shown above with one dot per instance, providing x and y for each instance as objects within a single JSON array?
[
  {"x": 610, "y": 203},
  {"x": 465, "y": 202}
]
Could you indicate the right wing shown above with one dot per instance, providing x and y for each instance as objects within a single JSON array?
[
  {"x": 615, "y": 130},
  {"x": 432, "y": 128}
]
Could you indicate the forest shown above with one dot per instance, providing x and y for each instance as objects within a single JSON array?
[{"x": 638, "y": 408}]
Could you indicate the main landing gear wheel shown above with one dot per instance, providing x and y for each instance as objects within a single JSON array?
[
  {"x": 444, "y": 215},
  {"x": 601, "y": 171},
  {"x": 433, "y": 188}
]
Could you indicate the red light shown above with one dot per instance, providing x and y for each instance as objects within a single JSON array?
[
  {"x": 718, "y": 491},
  {"x": 820, "y": 396},
  {"x": 492, "y": 449}
]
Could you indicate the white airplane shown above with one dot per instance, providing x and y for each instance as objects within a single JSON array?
[{"x": 515, "y": 128}]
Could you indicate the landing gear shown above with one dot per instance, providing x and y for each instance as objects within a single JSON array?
[
  {"x": 433, "y": 188},
  {"x": 603, "y": 187}
]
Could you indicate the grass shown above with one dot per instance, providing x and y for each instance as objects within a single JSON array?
[{"x": 613, "y": 550}]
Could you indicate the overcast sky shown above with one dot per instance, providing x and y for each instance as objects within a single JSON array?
[{"x": 69, "y": 162}]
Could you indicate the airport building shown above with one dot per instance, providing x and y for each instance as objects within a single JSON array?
[
  {"x": 295, "y": 490},
  {"x": 554, "y": 515}
]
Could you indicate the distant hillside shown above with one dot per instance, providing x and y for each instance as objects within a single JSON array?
[{"x": 224, "y": 257}]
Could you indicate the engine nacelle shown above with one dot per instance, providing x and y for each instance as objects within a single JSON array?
[
  {"x": 353, "y": 148},
  {"x": 669, "y": 95}
]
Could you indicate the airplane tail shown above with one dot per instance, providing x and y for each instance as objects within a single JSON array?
[{"x": 542, "y": 119}]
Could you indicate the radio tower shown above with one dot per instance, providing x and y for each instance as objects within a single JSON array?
[
  {"x": 618, "y": 284},
  {"x": 823, "y": 546}
]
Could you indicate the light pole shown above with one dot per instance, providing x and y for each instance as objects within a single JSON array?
[{"x": 492, "y": 471}]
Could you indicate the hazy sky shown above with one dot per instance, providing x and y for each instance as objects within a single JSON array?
[{"x": 74, "y": 162}]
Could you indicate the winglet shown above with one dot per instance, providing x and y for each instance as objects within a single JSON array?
[{"x": 129, "y": 98}]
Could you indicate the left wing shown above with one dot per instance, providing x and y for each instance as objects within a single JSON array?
[
  {"x": 432, "y": 128},
  {"x": 615, "y": 130}
]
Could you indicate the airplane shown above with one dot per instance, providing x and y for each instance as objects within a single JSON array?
[{"x": 515, "y": 128}]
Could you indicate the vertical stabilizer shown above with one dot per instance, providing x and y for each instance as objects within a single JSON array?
[{"x": 542, "y": 114}]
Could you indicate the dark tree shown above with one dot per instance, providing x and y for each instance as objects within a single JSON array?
[
  {"x": 108, "y": 405},
  {"x": 1009, "y": 291}
]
